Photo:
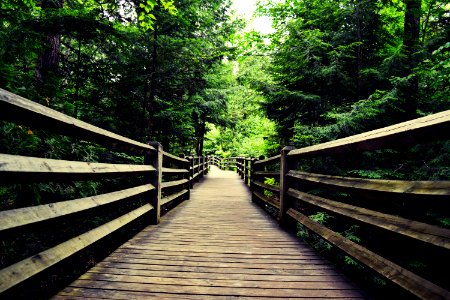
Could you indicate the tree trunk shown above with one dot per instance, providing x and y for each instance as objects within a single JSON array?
[
  {"x": 201, "y": 131},
  {"x": 411, "y": 44},
  {"x": 411, "y": 26},
  {"x": 47, "y": 61},
  {"x": 359, "y": 56},
  {"x": 153, "y": 83}
]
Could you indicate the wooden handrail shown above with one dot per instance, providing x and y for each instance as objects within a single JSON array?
[
  {"x": 23, "y": 169},
  {"x": 430, "y": 128},
  {"x": 19, "y": 110},
  {"x": 287, "y": 197}
]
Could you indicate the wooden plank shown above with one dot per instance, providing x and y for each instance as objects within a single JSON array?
[
  {"x": 200, "y": 275},
  {"x": 304, "y": 265},
  {"x": 172, "y": 197},
  {"x": 18, "y": 272},
  {"x": 174, "y": 158},
  {"x": 215, "y": 249},
  {"x": 205, "y": 257},
  {"x": 87, "y": 293},
  {"x": 272, "y": 188},
  {"x": 14, "y": 168},
  {"x": 29, "y": 215},
  {"x": 268, "y": 161},
  {"x": 25, "y": 112},
  {"x": 174, "y": 183},
  {"x": 127, "y": 295},
  {"x": 211, "y": 290},
  {"x": 268, "y": 200},
  {"x": 417, "y": 230},
  {"x": 418, "y": 286},
  {"x": 429, "y": 128},
  {"x": 173, "y": 171},
  {"x": 250, "y": 271},
  {"x": 243, "y": 283},
  {"x": 231, "y": 256},
  {"x": 349, "y": 184}
]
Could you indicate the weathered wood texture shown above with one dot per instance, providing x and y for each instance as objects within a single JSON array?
[
  {"x": 23, "y": 111},
  {"x": 430, "y": 128},
  {"x": 217, "y": 245}
]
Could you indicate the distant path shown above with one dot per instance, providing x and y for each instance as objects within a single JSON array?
[{"x": 216, "y": 245}]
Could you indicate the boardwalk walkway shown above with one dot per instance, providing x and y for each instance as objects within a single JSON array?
[{"x": 216, "y": 245}]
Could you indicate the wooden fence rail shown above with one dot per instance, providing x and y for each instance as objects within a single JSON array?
[
  {"x": 167, "y": 179},
  {"x": 288, "y": 199}
]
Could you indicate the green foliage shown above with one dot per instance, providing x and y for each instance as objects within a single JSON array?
[
  {"x": 350, "y": 234},
  {"x": 321, "y": 217},
  {"x": 147, "y": 18},
  {"x": 270, "y": 181},
  {"x": 244, "y": 130}
]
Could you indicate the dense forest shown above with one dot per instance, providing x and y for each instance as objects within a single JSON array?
[
  {"x": 193, "y": 76},
  {"x": 187, "y": 74}
]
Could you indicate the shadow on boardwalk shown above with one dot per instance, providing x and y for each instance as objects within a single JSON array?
[{"x": 216, "y": 245}]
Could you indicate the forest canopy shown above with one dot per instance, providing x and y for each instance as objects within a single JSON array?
[{"x": 188, "y": 73}]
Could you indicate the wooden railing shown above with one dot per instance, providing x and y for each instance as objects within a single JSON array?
[
  {"x": 162, "y": 181},
  {"x": 228, "y": 163},
  {"x": 290, "y": 198}
]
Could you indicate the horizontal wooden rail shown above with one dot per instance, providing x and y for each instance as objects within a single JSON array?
[
  {"x": 174, "y": 158},
  {"x": 417, "y": 230},
  {"x": 170, "y": 184},
  {"x": 22, "y": 111},
  {"x": 174, "y": 196},
  {"x": 16, "y": 168},
  {"x": 141, "y": 202},
  {"x": 272, "y": 188},
  {"x": 410, "y": 188},
  {"x": 268, "y": 200},
  {"x": 173, "y": 171},
  {"x": 429, "y": 128},
  {"x": 293, "y": 185},
  {"x": 269, "y": 160},
  {"x": 33, "y": 265},
  {"x": 404, "y": 278},
  {"x": 29, "y": 215}
]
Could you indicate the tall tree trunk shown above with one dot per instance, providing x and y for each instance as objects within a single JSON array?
[
  {"x": 153, "y": 83},
  {"x": 359, "y": 34},
  {"x": 78, "y": 79},
  {"x": 411, "y": 44},
  {"x": 47, "y": 61}
]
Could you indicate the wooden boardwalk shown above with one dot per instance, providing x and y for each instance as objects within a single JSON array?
[{"x": 216, "y": 245}]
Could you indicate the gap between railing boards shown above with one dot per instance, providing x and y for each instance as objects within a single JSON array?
[{"x": 287, "y": 199}]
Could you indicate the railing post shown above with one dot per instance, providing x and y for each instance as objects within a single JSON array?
[
  {"x": 254, "y": 169},
  {"x": 242, "y": 167},
  {"x": 244, "y": 161},
  {"x": 205, "y": 170},
  {"x": 237, "y": 162},
  {"x": 156, "y": 160},
  {"x": 187, "y": 186},
  {"x": 286, "y": 165},
  {"x": 197, "y": 161},
  {"x": 191, "y": 171},
  {"x": 200, "y": 168}
]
